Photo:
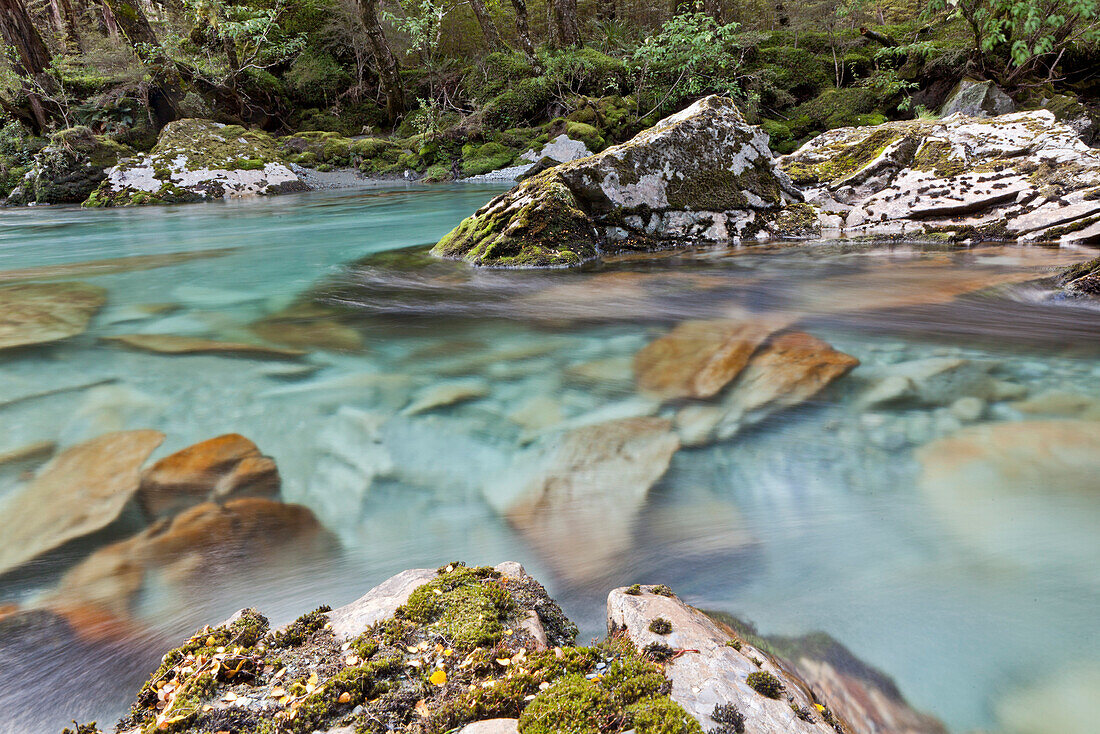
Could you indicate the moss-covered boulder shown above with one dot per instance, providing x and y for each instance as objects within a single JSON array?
[
  {"x": 701, "y": 174},
  {"x": 1082, "y": 278},
  {"x": 195, "y": 160},
  {"x": 68, "y": 169},
  {"x": 1023, "y": 176}
]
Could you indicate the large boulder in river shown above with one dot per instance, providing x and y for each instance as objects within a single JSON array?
[
  {"x": 195, "y": 160},
  {"x": 68, "y": 169},
  {"x": 701, "y": 174},
  {"x": 1015, "y": 177}
]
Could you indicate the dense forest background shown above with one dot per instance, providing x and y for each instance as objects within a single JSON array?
[{"x": 464, "y": 86}]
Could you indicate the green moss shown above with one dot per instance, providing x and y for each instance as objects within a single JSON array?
[
  {"x": 729, "y": 718},
  {"x": 634, "y": 590},
  {"x": 298, "y": 631},
  {"x": 587, "y": 134},
  {"x": 572, "y": 705},
  {"x": 660, "y": 626},
  {"x": 661, "y": 590},
  {"x": 537, "y": 224},
  {"x": 467, "y": 606},
  {"x": 659, "y": 715},
  {"x": 938, "y": 156},
  {"x": 361, "y": 683},
  {"x": 251, "y": 164},
  {"x": 797, "y": 221},
  {"x": 844, "y": 160},
  {"x": 765, "y": 684}
]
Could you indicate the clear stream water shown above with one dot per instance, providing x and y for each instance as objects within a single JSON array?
[{"x": 815, "y": 519}]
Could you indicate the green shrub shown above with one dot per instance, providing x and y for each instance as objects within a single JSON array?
[
  {"x": 314, "y": 79},
  {"x": 495, "y": 73},
  {"x": 798, "y": 71},
  {"x": 523, "y": 102},
  {"x": 584, "y": 71}
]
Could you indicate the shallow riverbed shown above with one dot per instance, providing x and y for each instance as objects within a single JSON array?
[{"x": 973, "y": 584}]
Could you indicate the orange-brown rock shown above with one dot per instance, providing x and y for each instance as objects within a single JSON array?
[
  {"x": 198, "y": 543},
  {"x": 174, "y": 344},
  {"x": 788, "y": 370},
  {"x": 216, "y": 469},
  {"x": 698, "y": 358},
  {"x": 81, "y": 490},
  {"x": 36, "y": 313}
]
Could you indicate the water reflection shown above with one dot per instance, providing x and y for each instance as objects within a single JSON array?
[{"x": 696, "y": 418}]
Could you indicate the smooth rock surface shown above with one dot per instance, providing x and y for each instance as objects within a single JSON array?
[
  {"x": 576, "y": 496},
  {"x": 349, "y": 621},
  {"x": 492, "y": 726},
  {"x": 698, "y": 358},
  {"x": 711, "y": 672},
  {"x": 81, "y": 490},
  {"x": 701, "y": 174},
  {"x": 37, "y": 313},
  {"x": 212, "y": 470}
]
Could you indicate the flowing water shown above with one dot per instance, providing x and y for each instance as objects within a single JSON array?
[{"x": 975, "y": 588}]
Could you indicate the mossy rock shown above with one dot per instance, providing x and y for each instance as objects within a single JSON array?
[
  {"x": 69, "y": 168},
  {"x": 537, "y": 224}
]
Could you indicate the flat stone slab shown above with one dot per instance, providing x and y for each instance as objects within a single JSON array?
[
  {"x": 38, "y": 313},
  {"x": 173, "y": 344}
]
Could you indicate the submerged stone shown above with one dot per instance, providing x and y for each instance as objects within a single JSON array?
[
  {"x": 216, "y": 469},
  {"x": 174, "y": 344},
  {"x": 80, "y": 491},
  {"x": 36, "y": 313},
  {"x": 195, "y": 160},
  {"x": 701, "y": 174},
  {"x": 576, "y": 496}
]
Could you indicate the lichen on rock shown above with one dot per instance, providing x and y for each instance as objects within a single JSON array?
[
  {"x": 195, "y": 160},
  {"x": 701, "y": 174}
]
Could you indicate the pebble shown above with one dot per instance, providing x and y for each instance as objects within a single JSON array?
[{"x": 968, "y": 409}]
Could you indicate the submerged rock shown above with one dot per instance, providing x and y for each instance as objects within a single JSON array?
[
  {"x": 37, "y": 313},
  {"x": 699, "y": 358},
  {"x": 701, "y": 174},
  {"x": 189, "y": 549},
  {"x": 195, "y": 160},
  {"x": 787, "y": 370},
  {"x": 1002, "y": 486},
  {"x": 1022, "y": 176},
  {"x": 174, "y": 344},
  {"x": 80, "y": 491},
  {"x": 576, "y": 496},
  {"x": 68, "y": 169},
  {"x": 213, "y": 470},
  {"x": 309, "y": 326}
]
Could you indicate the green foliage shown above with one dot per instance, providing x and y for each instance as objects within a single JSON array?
[
  {"x": 315, "y": 79},
  {"x": 523, "y": 102},
  {"x": 583, "y": 71},
  {"x": 1026, "y": 30},
  {"x": 690, "y": 56},
  {"x": 493, "y": 74}
]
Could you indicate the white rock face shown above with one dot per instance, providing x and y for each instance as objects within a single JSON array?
[
  {"x": 195, "y": 160},
  {"x": 711, "y": 672},
  {"x": 1021, "y": 176}
]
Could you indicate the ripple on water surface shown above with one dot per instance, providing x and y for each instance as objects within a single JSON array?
[{"x": 934, "y": 508}]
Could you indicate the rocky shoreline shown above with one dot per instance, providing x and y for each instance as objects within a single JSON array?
[{"x": 485, "y": 650}]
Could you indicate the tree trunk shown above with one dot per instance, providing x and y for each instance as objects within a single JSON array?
[
  {"x": 167, "y": 92},
  {"x": 564, "y": 28},
  {"x": 109, "y": 22},
  {"x": 388, "y": 70},
  {"x": 523, "y": 28},
  {"x": 32, "y": 57},
  {"x": 488, "y": 27},
  {"x": 713, "y": 8},
  {"x": 61, "y": 15}
]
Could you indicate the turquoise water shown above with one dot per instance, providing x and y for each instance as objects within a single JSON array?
[{"x": 973, "y": 596}]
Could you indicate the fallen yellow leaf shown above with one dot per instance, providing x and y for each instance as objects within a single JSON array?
[
  {"x": 344, "y": 697},
  {"x": 439, "y": 677}
]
